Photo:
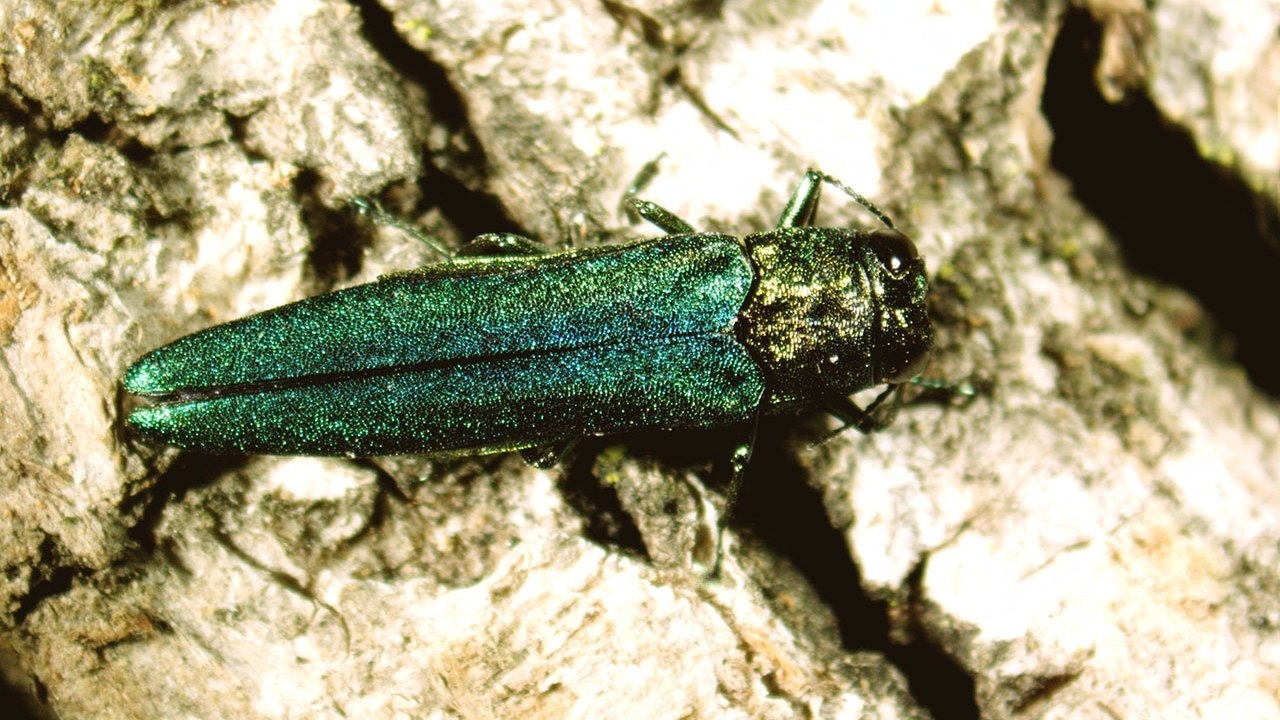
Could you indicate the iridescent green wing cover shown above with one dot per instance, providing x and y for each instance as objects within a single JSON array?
[{"x": 488, "y": 354}]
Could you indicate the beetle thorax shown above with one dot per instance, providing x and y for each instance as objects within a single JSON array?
[{"x": 810, "y": 320}]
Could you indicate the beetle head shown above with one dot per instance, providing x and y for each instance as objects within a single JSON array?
[{"x": 897, "y": 280}]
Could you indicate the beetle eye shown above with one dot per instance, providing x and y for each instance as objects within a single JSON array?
[{"x": 893, "y": 249}]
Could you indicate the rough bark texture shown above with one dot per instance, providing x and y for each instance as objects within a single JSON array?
[{"x": 1093, "y": 535}]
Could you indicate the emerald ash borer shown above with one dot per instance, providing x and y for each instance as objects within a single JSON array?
[{"x": 510, "y": 347}]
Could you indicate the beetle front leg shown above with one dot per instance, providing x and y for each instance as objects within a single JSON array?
[{"x": 867, "y": 420}]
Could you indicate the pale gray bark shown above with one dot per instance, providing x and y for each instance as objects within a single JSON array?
[{"x": 1093, "y": 536}]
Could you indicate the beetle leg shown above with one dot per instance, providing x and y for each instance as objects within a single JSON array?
[
  {"x": 946, "y": 391},
  {"x": 502, "y": 245},
  {"x": 868, "y": 419},
  {"x": 549, "y": 455},
  {"x": 738, "y": 462},
  {"x": 661, "y": 217},
  {"x": 487, "y": 245}
]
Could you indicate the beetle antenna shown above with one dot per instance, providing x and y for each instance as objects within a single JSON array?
[{"x": 858, "y": 198}]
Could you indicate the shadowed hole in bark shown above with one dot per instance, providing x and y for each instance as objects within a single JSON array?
[
  {"x": 1178, "y": 217},
  {"x": 471, "y": 212},
  {"x": 607, "y": 523},
  {"x": 780, "y": 506},
  {"x": 192, "y": 470}
]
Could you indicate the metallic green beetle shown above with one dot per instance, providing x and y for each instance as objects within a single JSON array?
[{"x": 509, "y": 347}]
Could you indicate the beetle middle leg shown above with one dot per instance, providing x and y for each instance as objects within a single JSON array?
[
  {"x": 661, "y": 217},
  {"x": 738, "y": 461}
]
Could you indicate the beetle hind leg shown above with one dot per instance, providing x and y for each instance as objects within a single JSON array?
[
  {"x": 547, "y": 456},
  {"x": 373, "y": 210},
  {"x": 502, "y": 245}
]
